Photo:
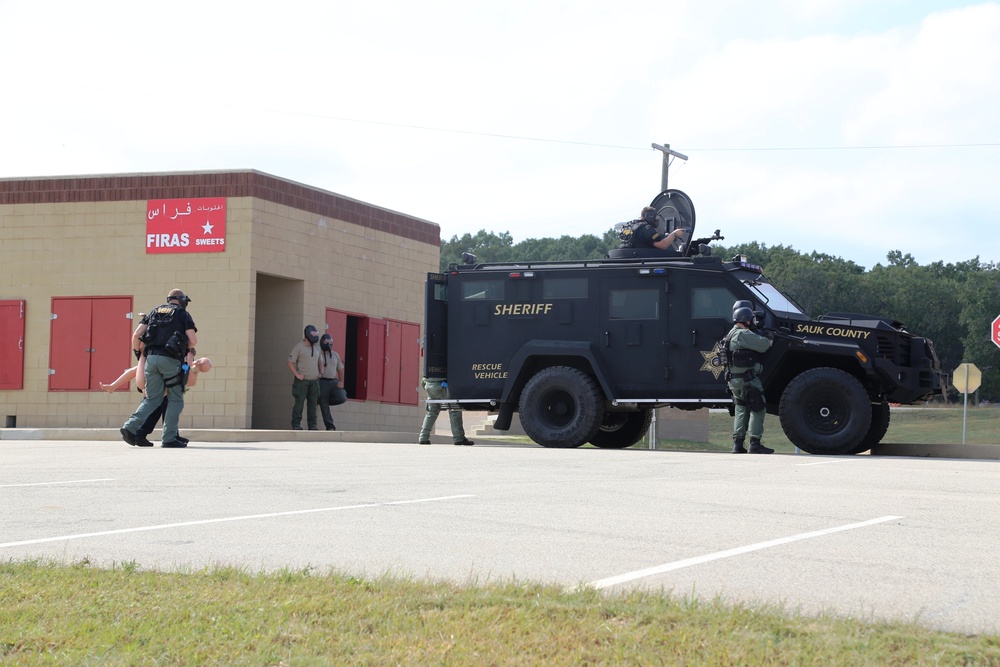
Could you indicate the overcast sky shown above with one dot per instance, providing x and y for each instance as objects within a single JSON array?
[{"x": 848, "y": 127}]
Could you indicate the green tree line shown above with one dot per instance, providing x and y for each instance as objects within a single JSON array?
[{"x": 951, "y": 304}]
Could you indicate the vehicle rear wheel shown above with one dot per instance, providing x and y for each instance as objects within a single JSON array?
[
  {"x": 878, "y": 428},
  {"x": 561, "y": 407},
  {"x": 622, "y": 429},
  {"x": 825, "y": 411}
]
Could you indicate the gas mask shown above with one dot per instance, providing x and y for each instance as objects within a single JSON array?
[
  {"x": 311, "y": 334},
  {"x": 326, "y": 343},
  {"x": 649, "y": 216}
]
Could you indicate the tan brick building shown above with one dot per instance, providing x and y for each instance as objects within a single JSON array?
[{"x": 260, "y": 257}]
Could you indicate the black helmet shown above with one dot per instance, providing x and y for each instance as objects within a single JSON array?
[
  {"x": 743, "y": 314},
  {"x": 180, "y": 296},
  {"x": 648, "y": 214}
]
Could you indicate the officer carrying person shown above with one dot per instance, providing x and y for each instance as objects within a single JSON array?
[
  {"x": 744, "y": 348},
  {"x": 167, "y": 332}
]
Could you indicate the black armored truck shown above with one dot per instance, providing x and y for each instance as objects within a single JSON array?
[{"x": 585, "y": 350}]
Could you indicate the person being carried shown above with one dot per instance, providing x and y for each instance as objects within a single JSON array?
[
  {"x": 137, "y": 371},
  {"x": 644, "y": 233},
  {"x": 192, "y": 369}
]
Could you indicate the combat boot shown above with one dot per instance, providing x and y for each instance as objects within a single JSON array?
[
  {"x": 757, "y": 448},
  {"x": 738, "y": 447}
]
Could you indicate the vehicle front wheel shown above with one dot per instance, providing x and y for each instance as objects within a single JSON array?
[
  {"x": 622, "y": 429},
  {"x": 561, "y": 407},
  {"x": 878, "y": 428},
  {"x": 825, "y": 411}
]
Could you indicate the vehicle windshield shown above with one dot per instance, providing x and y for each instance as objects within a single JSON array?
[{"x": 774, "y": 299}]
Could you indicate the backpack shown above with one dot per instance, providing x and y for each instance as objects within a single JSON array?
[
  {"x": 626, "y": 231},
  {"x": 164, "y": 329}
]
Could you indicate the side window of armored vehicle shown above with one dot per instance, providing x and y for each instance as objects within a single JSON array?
[
  {"x": 483, "y": 290},
  {"x": 634, "y": 304},
  {"x": 712, "y": 302},
  {"x": 565, "y": 288}
]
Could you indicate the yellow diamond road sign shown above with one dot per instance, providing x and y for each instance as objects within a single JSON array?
[{"x": 967, "y": 378}]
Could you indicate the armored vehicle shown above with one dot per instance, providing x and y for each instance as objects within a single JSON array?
[{"x": 585, "y": 350}]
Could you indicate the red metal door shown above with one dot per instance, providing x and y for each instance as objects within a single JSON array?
[
  {"x": 12, "y": 344},
  {"x": 69, "y": 346}
]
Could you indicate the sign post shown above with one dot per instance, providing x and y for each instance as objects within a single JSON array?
[{"x": 966, "y": 379}]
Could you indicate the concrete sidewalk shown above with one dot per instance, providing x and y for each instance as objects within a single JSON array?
[
  {"x": 941, "y": 451},
  {"x": 219, "y": 435}
]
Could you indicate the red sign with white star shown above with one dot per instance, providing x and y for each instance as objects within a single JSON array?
[{"x": 185, "y": 225}]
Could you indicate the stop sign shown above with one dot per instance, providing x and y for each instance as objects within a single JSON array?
[
  {"x": 967, "y": 378},
  {"x": 995, "y": 331}
]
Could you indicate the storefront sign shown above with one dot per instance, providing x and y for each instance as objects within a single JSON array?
[{"x": 185, "y": 225}]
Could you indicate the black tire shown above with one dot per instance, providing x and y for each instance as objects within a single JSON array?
[
  {"x": 878, "y": 428},
  {"x": 561, "y": 407},
  {"x": 622, "y": 429},
  {"x": 825, "y": 411}
]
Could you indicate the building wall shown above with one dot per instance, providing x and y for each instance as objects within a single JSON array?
[{"x": 291, "y": 250}]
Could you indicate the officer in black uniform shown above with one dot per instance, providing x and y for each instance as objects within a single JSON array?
[
  {"x": 744, "y": 349},
  {"x": 167, "y": 331},
  {"x": 646, "y": 235}
]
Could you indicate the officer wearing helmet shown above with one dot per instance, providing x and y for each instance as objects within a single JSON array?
[
  {"x": 306, "y": 363},
  {"x": 744, "y": 348},
  {"x": 646, "y": 235},
  {"x": 167, "y": 332}
]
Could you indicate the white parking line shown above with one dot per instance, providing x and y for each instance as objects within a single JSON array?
[
  {"x": 203, "y": 522},
  {"x": 826, "y": 462},
  {"x": 74, "y": 481},
  {"x": 688, "y": 562}
]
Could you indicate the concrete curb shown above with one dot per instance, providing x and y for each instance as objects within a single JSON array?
[
  {"x": 985, "y": 452},
  {"x": 220, "y": 435}
]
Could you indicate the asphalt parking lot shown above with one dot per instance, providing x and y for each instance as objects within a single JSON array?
[{"x": 869, "y": 536}]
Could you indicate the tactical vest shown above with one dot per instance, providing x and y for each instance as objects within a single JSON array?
[
  {"x": 165, "y": 332},
  {"x": 741, "y": 358},
  {"x": 627, "y": 233}
]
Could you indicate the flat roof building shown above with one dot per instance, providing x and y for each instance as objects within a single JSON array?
[{"x": 260, "y": 257}]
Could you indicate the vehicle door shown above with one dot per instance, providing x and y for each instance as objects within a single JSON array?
[
  {"x": 632, "y": 334},
  {"x": 701, "y": 307}
]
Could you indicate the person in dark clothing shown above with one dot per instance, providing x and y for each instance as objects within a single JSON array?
[
  {"x": 167, "y": 331},
  {"x": 646, "y": 235},
  {"x": 744, "y": 349}
]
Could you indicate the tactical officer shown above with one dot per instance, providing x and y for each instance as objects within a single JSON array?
[
  {"x": 167, "y": 332},
  {"x": 645, "y": 234},
  {"x": 305, "y": 361},
  {"x": 437, "y": 389},
  {"x": 744, "y": 349}
]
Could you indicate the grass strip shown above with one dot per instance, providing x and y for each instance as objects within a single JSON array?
[{"x": 52, "y": 614}]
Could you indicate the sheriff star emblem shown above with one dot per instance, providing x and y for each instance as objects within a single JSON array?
[{"x": 713, "y": 361}]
